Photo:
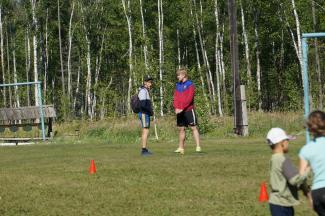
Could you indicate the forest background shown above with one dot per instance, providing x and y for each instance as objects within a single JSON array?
[{"x": 91, "y": 56}]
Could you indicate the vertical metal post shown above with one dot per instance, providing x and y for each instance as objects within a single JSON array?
[
  {"x": 41, "y": 108},
  {"x": 305, "y": 81}
]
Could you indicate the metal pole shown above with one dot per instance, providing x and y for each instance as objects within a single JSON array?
[
  {"x": 306, "y": 82},
  {"x": 41, "y": 109}
]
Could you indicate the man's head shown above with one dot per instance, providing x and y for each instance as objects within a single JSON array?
[
  {"x": 278, "y": 140},
  {"x": 181, "y": 75},
  {"x": 147, "y": 81}
]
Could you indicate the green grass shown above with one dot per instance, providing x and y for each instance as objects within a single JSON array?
[{"x": 53, "y": 179}]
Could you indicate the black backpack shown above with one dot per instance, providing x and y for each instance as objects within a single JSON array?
[{"x": 135, "y": 103}]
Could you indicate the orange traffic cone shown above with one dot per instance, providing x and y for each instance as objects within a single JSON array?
[
  {"x": 92, "y": 168},
  {"x": 263, "y": 193}
]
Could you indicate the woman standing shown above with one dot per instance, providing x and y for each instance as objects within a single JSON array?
[{"x": 313, "y": 155}]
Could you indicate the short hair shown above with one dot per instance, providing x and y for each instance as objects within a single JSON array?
[
  {"x": 316, "y": 123},
  {"x": 182, "y": 71}
]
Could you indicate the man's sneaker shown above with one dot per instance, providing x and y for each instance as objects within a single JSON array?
[
  {"x": 145, "y": 152},
  {"x": 198, "y": 149},
  {"x": 179, "y": 150}
]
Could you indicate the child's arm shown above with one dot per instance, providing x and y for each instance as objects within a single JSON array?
[{"x": 291, "y": 173}]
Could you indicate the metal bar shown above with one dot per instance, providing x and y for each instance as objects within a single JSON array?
[
  {"x": 305, "y": 81},
  {"x": 19, "y": 84},
  {"x": 41, "y": 109},
  {"x": 313, "y": 35}
]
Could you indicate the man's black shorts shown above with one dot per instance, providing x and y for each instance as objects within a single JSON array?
[{"x": 186, "y": 118}]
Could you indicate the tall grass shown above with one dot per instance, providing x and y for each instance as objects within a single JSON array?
[{"x": 127, "y": 129}]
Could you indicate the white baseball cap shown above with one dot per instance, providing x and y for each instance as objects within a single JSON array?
[{"x": 276, "y": 135}]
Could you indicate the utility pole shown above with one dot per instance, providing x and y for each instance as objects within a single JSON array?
[{"x": 240, "y": 128}]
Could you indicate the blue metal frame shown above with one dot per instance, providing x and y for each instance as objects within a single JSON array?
[
  {"x": 304, "y": 45},
  {"x": 38, "y": 84}
]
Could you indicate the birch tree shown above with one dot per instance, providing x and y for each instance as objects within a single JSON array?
[
  {"x": 127, "y": 13},
  {"x": 60, "y": 46},
  {"x": 217, "y": 57},
  {"x": 258, "y": 62},
  {"x": 161, "y": 53},
  {"x": 2, "y": 59},
  {"x": 35, "y": 28},
  {"x": 145, "y": 47},
  {"x": 27, "y": 62},
  {"x": 69, "y": 53}
]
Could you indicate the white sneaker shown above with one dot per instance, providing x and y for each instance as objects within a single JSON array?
[
  {"x": 198, "y": 149},
  {"x": 179, "y": 150}
]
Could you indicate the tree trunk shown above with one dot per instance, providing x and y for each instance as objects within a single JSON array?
[
  {"x": 8, "y": 69},
  {"x": 69, "y": 54},
  {"x": 33, "y": 2},
  {"x": 318, "y": 72},
  {"x": 161, "y": 53},
  {"x": 247, "y": 56},
  {"x": 46, "y": 57},
  {"x": 17, "y": 102},
  {"x": 60, "y": 46},
  {"x": 217, "y": 57},
  {"x": 145, "y": 47},
  {"x": 258, "y": 64},
  {"x": 178, "y": 50},
  {"x": 28, "y": 63},
  {"x": 3, "y": 90},
  {"x": 127, "y": 13}
]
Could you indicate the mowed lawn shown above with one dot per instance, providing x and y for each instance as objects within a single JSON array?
[{"x": 53, "y": 179}]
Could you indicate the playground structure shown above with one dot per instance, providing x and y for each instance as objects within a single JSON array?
[
  {"x": 27, "y": 117},
  {"x": 304, "y": 42}
]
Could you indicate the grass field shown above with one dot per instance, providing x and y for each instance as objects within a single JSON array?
[{"x": 52, "y": 178}]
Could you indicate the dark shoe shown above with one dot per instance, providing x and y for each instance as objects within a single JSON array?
[{"x": 145, "y": 152}]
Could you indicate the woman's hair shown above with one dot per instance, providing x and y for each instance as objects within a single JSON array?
[
  {"x": 316, "y": 123},
  {"x": 182, "y": 71}
]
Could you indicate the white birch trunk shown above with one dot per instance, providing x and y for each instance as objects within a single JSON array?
[
  {"x": 69, "y": 54},
  {"x": 145, "y": 47},
  {"x": 127, "y": 13},
  {"x": 28, "y": 63},
  {"x": 217, "y": 58},
  {"x": 178, "y": 50},
  {"x": 298, "y": 34},
  {"x": 17, "y": 103},
  {"x": 88, "y": 80},
  {"x": 161, "y": 50},
  {"x": 258, "y": 66},
  {"x": 8, "y": 70},
  {"x": 60, "y": 46},
  {"x": 77, "y": 88},
  {"x": 33, "y": 2},
  {"x": 2, "y": 59},
  {"x": 46, "y": 57},
  {"x": 247, "y": 56}
]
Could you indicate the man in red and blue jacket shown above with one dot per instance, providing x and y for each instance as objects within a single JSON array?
[{"x": 184, "y": 109}]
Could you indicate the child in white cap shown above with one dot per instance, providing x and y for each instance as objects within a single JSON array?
[{"x": 284, "y": 177}]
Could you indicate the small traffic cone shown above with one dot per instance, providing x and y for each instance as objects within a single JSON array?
[
  {"x": 92, "y": 168},
  {"x": 263, "y": 193}
]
